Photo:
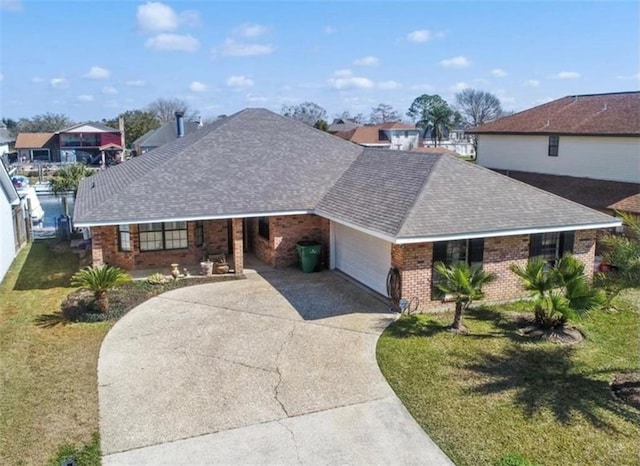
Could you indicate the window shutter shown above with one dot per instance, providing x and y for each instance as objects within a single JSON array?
[
  {"x": 566, "y": 242},
  {"x": 476, "y": 250},
  {"x": 440, "y": 252},
  {"x": 535, "y": 245}
]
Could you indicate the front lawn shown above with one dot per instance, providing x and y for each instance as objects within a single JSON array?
[{"x": 491, "y": 394}]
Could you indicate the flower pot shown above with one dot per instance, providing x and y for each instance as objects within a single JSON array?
[
  {"x": 221, "y": 268},
  {"x": 206, "y": 267},
  {"x": 175, "y": 271}
]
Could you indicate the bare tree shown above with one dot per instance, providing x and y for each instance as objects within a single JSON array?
[
  {"x": 383, "y": 113},
  {"x": 45, "y": 123},
  {"x": 165, "y": 109},
  {"x": 307, "y": 112},
  {"x": 478, "y": 107},
  {"x": 346, "y": 115}
]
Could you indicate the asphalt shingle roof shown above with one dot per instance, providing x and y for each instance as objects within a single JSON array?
[
  {"x": 256, "y": 162},
  {"x": 593, "y": 114},
  {"x": 32, "y": 140},
  {"x": 164, "y": 134}
]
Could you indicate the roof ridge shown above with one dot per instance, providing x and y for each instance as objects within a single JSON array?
[{"x": 418, "y": 195}]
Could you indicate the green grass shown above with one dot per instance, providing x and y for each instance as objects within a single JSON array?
[
  {"x": 493, "y": 395},
  {"x": 48, "y": 385}
]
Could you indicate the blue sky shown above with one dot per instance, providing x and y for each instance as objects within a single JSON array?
[{"x": 95, "y": 59}]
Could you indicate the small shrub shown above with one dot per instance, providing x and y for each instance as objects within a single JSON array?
[
  {"x": 157, "y": 279},
  {"x": 514, "y": 460}
]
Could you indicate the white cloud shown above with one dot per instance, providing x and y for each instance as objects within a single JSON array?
[
  {"x": 85, "y": 98},
  {"x": 531, "y": 83},
  {"x": 566, "y": 75},
  {"x": 459, "y": 86},
  {"x": 455, "y": 62},
  {"x": 369, "y": 60},
  {"x": 97, "y": 72},
  {"x": 109, "y": 90},
  {"x": 345, "y": 73},
  {"x": 344, "y": 79},
  {"x": 135, "y": 83},
  {"x": 329, "y": 30},
  {"x": 58, "y": 83},
  {"x": 420, "y": 36},
  {"x": 197, "y": 86},
  {"x": 389, "y": 85},
  {"x": 256, "y": 98},
  {"x": 11, "y": 5},
  {"x": 239, "y": 81},
  {"x": 37, "y": 80},
  {"x": 232, "y": 48},
  {"x": 173, "y": 42},
  {"x": 251, "y": 30},
  {"x": 499, "y": 73},
  {"x": 156, "y": 16}
]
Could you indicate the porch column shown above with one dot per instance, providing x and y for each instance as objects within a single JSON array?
[
  {"x": 238, "y": 253},
  {"x": 96, "y": 246}
]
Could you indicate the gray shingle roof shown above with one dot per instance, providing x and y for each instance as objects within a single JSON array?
[
  {"x": 257, "y": 162},
  {"x": 253, "y": 161},
  {"x": 8, "y": 189},
  {"x": 164, "y": 134}
]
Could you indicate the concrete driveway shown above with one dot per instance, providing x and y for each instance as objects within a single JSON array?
[{"x": 279, "y": 368}]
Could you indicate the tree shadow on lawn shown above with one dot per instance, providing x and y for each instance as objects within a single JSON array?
[
  {"x": 412, "y": 326},
  {"x": 48, "y": 265},
  {"x": 504, "y": 327},
  {"x": 545, "y": 378}
]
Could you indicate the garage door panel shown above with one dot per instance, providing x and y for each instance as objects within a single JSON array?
[{"x": 362, "y": 256}]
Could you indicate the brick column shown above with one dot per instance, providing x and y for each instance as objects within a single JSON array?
[
  {"x": 238, "y": 253},
  {"x": 96, "y": 246}
]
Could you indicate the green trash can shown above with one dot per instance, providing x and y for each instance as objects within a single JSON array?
[{"x": 309, "y": 254}]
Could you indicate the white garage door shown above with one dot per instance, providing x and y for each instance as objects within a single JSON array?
[{"x": 363, "y": 257}]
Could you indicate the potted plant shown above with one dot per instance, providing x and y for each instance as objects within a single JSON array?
[{"x": 206, "y": 267}]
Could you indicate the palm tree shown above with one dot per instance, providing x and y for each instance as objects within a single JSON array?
[
  {"x": 67, "y": 179},
  {"x": 560, "y": 292},
  {"x": 441, "y": 119},
  {"x": 100, "y": 279},
  {"x": 464, "y": 283}
]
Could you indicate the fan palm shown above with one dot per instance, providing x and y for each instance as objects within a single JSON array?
[
  {"x": 100, "y": 279},
  {"x": 560, "y": 292},
  {"x": 464, "y": 283},
  {"x": 67, "y": 179}
]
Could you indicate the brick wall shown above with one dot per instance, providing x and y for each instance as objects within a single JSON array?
[
  {"x": 415, "y": 263},
  {"x": 105, "y": 248},
  {"x": 284, "y": 232}
]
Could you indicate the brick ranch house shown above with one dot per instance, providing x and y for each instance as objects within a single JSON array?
[{"x": 256, "y": 182}]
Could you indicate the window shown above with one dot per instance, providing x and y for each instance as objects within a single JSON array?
[
  {"x": 199, "y": 233},
  {"x": 124, "y": 238},
  {"x": 470, "y": 251},
  {"x": 42, "y": 155},
  {"x": 550, "y": 246},
  {"x": 158, "y": 236},
  {"x": 263, "y": 227},
  {"x": 554, "y": 142}
]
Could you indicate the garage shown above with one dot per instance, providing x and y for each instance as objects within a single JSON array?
[{"x": 361, "y": 256}]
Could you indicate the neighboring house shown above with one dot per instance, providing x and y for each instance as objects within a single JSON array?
[
  {"x": 36, "y": 147},
  {"x": 85, "y": 142},
  {"x": 257, "y": 183},
  {"x": 583, "y": 147},
  {"x": 5, "y": 140},
  {"x": 13, "y": 218},
  {"x": 396, "y": 136},
  {"x": 341, "y": 125},
  {"x": 162, "y": 135},
  {"x": 455, "y": 140}
]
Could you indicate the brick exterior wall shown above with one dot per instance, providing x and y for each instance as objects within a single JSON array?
[
  {"x": 415, "y": 262},
  {"x": 105, "y": 247},
  {"x": 285, "y": 231}
]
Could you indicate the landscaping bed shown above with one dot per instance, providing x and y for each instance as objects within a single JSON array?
[{"x": 496, "y": 394}]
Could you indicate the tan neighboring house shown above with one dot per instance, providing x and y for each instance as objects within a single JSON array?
[
  {"x": 256, "y": 183},
  {"x": 36, "y": 147},
  {"x": 395, "y": 136},
  {"x": 582, "y": 147}
]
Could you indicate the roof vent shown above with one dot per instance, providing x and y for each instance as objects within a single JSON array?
[
  {"x": 604, "y": 106},
  {"x": 546, "y": 123}
]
